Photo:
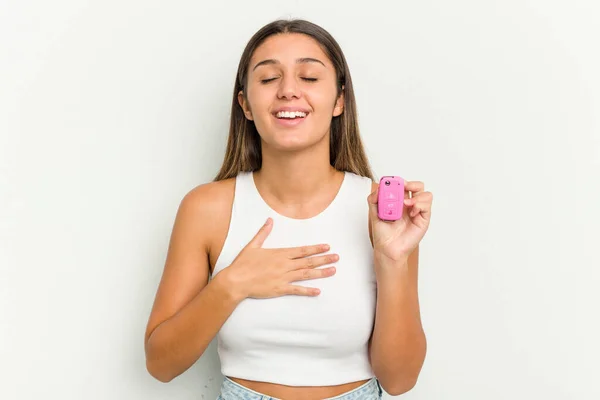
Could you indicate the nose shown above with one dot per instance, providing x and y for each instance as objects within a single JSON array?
[{"x": 288, "y": 88}]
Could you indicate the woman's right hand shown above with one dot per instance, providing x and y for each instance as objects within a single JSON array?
[{"x": 264, "y": 273}]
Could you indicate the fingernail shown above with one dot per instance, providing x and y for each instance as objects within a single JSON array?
[{"x": 268, "y": 221}]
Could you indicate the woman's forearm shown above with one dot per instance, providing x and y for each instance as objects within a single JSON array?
[
  {"x": 177, "y": 343},
  {"x": 398, "y": 344}
]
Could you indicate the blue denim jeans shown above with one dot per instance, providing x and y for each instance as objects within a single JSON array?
[{"x": 231, "y": 390}]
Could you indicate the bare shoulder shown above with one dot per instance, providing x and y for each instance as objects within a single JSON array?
[
  {"x": 206, "y": 199},
  {"x": 210, "y": 204}
]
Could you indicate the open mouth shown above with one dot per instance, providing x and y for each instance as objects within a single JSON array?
[
  {"x": 290, "y": 118},
  {"x": 290, "y": 114}
]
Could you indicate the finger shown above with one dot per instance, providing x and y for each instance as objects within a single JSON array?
[
  {"x": 301, "y": 290},
  {"x": 415, "y": 211},
  {"x": 372, "y": 201},
  {"x": 308, "y": 273},
  {"x": 313, "y": 262},
  {"x": 420, "y": 207},
  {"x": 372, "y": 198},
  {"x": 305, "y": 251},
  {"x": 262, "y": 234},
  {"x": 419, "y": 197},
  {"x": 414, "y": 186}
]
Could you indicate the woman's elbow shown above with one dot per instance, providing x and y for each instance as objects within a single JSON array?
[
  {"x": 158, "y": 373},
  {"x": 398, "y": 388},
  {"x": 153, "y": 365}
]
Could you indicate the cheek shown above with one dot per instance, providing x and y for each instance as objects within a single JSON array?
[
  {"x": 322, "y": 100},
  {"x": 256, "y": 101},
  {"x": 259, "y": 96}
]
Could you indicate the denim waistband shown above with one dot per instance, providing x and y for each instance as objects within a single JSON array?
[{"x": 231, "y": 390}]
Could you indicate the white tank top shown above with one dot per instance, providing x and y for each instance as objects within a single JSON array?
[{"x": 301, "y": 340}]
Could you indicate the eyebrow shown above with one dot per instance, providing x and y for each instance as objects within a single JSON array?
[{"x": 302, "y": 60}]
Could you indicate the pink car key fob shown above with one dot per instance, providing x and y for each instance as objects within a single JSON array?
[{"x": 390, "y": 200}]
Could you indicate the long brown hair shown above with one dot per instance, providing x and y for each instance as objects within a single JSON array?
[{"x": 243, "y": 152}]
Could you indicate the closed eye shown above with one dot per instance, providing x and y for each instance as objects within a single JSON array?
[{"x": 264, "y": 81}]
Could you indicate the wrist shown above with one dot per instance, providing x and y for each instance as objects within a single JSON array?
[
  {"x": 397, "y": 261},
  {"x": 228, "y": 287}
]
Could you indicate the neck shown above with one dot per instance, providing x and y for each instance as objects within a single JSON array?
[{"x": 294, "y": 178}]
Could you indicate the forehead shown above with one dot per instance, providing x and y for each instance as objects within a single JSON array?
[{"x": 287, "y": 48}]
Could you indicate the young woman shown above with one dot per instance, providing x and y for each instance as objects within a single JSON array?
[{"x": 312, "y": 296}]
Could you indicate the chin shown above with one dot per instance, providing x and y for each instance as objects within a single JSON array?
[
  {"x": 288, "y": 141},
  {"x": 295, "y": 144}
]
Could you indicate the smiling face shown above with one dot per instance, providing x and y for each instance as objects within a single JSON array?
[{"x": 291, "y": 92}]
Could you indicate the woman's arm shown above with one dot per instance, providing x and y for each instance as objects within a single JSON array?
[
  {"x": 188, "y": 310},
  {"x": 398, "y": 345}
]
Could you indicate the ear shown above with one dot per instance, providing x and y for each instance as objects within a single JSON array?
[
  {"x": 339, "y": 104},
  {"x": 244, "y": 104}
]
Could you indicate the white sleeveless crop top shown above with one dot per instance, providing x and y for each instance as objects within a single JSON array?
[{"x": 302, "y": 340}]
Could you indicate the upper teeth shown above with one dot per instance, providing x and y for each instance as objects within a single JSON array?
[{"x": 290, "y": 114}]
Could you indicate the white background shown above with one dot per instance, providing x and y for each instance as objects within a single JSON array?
[{"x": 110, "y": 111}]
